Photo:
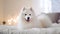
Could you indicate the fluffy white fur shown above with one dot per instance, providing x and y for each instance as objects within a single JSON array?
[
  {"x": 23, "y": 24},
  {"x": 43, "y": 21}
]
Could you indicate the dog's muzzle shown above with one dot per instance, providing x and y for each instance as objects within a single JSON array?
[{"x": 28, "y": 19}]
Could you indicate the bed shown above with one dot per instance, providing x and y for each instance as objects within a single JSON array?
[{"x": 14, "y": 30}]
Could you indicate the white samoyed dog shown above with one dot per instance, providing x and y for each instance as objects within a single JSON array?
[{"x": 27, "y": 19}]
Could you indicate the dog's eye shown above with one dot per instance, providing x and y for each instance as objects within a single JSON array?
[
  {"x": 25, "y": 14},
  {"x": 29, "y": 14}
]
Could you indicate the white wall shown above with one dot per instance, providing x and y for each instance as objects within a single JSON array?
[
  {"x": 1, "y": 11},
  {"x": 13, "y": 7}
]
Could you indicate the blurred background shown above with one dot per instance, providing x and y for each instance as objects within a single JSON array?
[{"x": 10, "y": 9}]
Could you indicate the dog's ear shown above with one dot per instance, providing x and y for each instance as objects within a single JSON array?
[
  {"x": 31, "y": 9},
  {"x": 23, "y": 8}
]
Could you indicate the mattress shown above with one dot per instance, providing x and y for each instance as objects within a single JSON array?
[{"x": 13, "y": 30}]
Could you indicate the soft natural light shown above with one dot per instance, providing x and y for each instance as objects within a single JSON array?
[{"x": 46, "y": 6}]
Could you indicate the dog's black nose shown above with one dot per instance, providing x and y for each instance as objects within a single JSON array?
[{"x": 28, "y": 18}]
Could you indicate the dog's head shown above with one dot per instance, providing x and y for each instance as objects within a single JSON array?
[{"x": 28, "y": 14}]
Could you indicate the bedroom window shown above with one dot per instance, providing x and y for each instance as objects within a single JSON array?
[{"x": 46, "y": 6}]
